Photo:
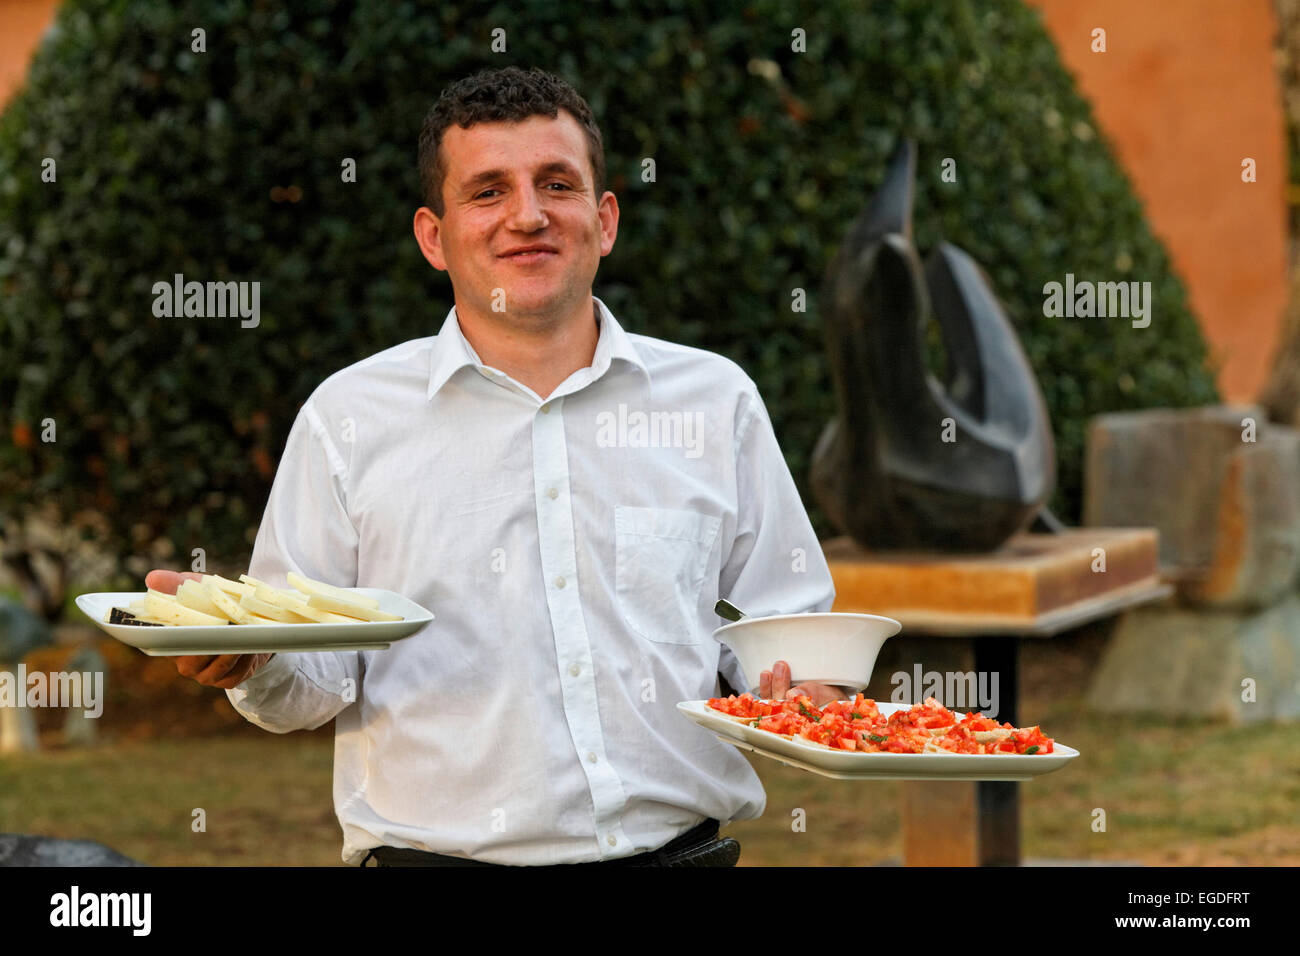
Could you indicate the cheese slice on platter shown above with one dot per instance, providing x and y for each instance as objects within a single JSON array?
[
  {"x": 350, "y": 608},
  {"x": 321, "y": 589},
  {"x": 165, "y": 609}
]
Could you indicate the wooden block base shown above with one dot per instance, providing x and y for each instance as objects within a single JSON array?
[{"x": 1028, "y": 579}]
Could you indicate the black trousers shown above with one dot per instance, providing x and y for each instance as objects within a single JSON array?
[{"x": 698, "y": 846}]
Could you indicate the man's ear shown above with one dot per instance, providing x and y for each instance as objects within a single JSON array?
[
  {"x": 428, "y": 234},
  {"x": 608, "y": 213}
]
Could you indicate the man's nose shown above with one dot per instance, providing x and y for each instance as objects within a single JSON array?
[{"x": 526, "y": 212}]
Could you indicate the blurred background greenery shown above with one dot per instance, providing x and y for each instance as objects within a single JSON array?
[{"x": 225, "y": 165}]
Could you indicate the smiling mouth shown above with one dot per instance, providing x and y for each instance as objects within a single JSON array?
[{"x": 525, "y": 258}]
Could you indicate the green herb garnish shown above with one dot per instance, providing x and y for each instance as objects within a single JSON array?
[
  {"x": 1032, "y": 750},
  {"x": 879, "y": 740},
  {"x": 807, "y": 713},
  {"x": 856, "y": 715}
]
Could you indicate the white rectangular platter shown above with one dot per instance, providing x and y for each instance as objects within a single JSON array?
[
  {"x": 847, "y": 765},
  {"x": 259, "y": 638}
]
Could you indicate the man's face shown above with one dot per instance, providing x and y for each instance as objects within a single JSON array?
[{"x": 511, "y": 186}]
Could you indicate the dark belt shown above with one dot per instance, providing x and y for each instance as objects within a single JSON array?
[{"x": 698, "y": 846}]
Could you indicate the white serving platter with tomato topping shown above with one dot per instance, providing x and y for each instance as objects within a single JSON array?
[
  {"x": 175, "y": 641},
  {"x": 848, "y": 765}
]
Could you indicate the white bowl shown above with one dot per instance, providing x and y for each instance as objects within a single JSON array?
[{"x": 827, "y": 647}]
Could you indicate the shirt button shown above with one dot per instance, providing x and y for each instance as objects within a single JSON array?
[
  {"x": 591, "y": 756},
  {"x": 575, "y": 670},
  {"x": 552, "y": 493},
  {"x": 611, "y": 840},
  {"x": 559, "y": 582},
  {"x": 546, "y": 409}
]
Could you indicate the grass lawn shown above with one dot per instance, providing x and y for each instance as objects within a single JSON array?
[
  {"x": 1191, "y": 793},
  {"x": 1174, "y": 793},
  {"x": 266, "y": 798}
]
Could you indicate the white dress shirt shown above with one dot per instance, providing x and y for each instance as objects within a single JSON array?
[{"x": 571, "y": 550}]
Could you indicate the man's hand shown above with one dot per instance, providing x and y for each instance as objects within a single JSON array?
[
  {"x": 223, "y": 670},
  {"x": 775, "y": 685}
]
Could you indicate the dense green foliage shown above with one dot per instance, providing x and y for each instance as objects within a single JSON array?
[{"x": 171, "y": 161}]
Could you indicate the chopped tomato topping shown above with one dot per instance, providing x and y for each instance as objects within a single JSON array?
[
  {"x": 930, "y": 715},
  {"x": 1031, "y": 740},
  {"x": 859, "y": 726},
  {"x": 977, "y": 721},
  {"x": 746, "y": 705}
]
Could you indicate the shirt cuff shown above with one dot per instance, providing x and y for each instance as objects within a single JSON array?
[{"x": 275, "y": 671}]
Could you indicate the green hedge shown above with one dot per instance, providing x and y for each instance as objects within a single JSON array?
[{"x": 168, "y": 161}]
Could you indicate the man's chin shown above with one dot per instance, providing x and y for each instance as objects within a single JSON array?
[{"x": 538, "y": 308}]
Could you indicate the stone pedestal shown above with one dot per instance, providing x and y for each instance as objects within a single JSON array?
[
  {"x": 1035, "y": 584},
  {"x": 973, "y": 609},
  {"x": 1222, "y": 484},
  {"x": 1180, "y": 662},
  {"x": 17, "y": 730},
  {"x": 17, "y": 726}
]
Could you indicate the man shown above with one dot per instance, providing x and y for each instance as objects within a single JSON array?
[{"x": 569, "y": 500}]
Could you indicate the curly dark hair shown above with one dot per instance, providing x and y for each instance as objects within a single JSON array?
[{"x": 505, "y": 94}]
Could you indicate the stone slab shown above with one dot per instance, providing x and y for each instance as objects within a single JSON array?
[
  {"x": 1222, "y": 485},
  {"x": 1183, "y": 662},
  {"x": 1256, "y": 531},
  {"x": 1031, "y": 576},
  {"x": 1163, "y": 467}
]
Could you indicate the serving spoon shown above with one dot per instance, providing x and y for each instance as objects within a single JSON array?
[{"x": 725, "y": 609}]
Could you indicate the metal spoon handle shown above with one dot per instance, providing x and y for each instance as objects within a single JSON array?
[{"x": 728, "y": 610}]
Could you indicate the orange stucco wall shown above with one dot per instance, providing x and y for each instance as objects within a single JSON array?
[
  {"x": 1185, "y": 90},
  {"x": 21, "y": 24}
]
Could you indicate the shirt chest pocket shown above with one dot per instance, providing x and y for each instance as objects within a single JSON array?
[{"x": 661, "y": 558}]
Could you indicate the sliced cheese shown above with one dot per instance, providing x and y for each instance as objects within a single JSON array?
[
  {"x": 298, "y": 605},
  {"x": 320, "y": 588},
  {"x": 167, "y": 610},
  {"x": 255, "y": 604},
  {"x": 253, "y": 583},
  {"x": 193, "y": 595},
  {"x": 237, "y": 589},
  {"x": 228, "y": 604},
  {"x": 278, "y": 598},
  {"x": 350, "y": 609}
]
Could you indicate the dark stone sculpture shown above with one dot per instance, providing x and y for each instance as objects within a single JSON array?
[{"x": 882, "y": 470}]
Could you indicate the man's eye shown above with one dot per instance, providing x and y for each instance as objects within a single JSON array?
[{"x": 487, "y": 193}]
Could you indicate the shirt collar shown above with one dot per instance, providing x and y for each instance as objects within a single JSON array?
[{"x": 452, "y": 351}]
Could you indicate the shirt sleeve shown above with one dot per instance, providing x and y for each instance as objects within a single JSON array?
[
  {"x": 305, "y": 528},
  {"x": 776, "y": 565}
]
